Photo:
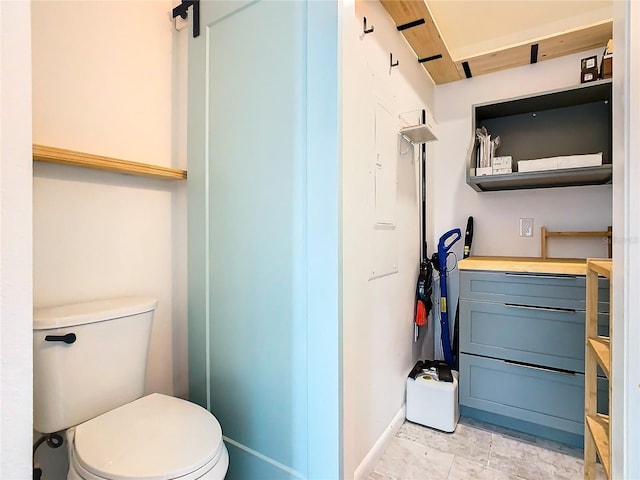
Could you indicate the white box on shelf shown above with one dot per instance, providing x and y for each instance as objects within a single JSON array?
[
  {"x": 432, "y": 403},
  {"x": 538, "y": 165},
  {"x": 499, "y": 171},
  {"x": 484, "y": 171},
  {"x": 577, "y": 161},
  {"x": 502, "y": 162},
  {"x": 565, "y": 161}
]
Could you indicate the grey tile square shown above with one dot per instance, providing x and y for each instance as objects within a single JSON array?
[
  {"x": 476, "y": 451},
  {"x": 464, "y": 469},
  {"x": 517, "y": 458},
  {"x": 407, "y": 460},
  {"x": 467, "y": 440}
]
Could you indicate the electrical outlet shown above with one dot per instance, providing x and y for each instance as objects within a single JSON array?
[{"x": 526, "y": 227}]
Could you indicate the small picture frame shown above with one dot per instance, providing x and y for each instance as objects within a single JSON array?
[
  {"x": 589, "y": 63},
  {"x": 589, "y": 69}
]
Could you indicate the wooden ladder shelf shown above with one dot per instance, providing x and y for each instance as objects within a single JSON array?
[
  {"x": 545, "y": 234},
  {"x": 597, "y": 352}
]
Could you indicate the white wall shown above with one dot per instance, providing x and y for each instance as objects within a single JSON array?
[
  {"x": 15, "y": 242},
  {"x": 103, "y": 84},
  {"x": 378, "y": 348},
  {"x": 496, "y": 214},
  {"x": 625, "y": 409},
  {"x": 106, "y": 81}
]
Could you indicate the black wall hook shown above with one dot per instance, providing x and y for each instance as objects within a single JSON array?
[
  {"x": 391, "y": 64},
  {"x": 364, "y": 28},
  {"x": 181, "y": 11}
]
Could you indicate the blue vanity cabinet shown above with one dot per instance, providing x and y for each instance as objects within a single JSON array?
[{"x": 522, "y": 344}]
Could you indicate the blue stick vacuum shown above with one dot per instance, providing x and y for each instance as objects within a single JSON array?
[{"x": 439, "y": 261}]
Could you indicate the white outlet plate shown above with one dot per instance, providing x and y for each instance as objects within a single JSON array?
[{"x": 526, "y": 227}]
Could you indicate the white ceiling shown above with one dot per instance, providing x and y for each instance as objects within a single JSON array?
[{"x": 473, "y": 27}]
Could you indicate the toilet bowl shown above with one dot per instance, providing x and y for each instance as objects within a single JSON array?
[
  {"x": 156, "y": 437},
  {"x": 89, "y": 372}
]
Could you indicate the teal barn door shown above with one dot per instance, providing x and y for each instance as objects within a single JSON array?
[{"x": 263, "y": 215}]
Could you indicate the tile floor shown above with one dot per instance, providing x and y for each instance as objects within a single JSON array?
[{"x": 476, "y": 451}]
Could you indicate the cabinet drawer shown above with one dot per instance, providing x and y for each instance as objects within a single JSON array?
[
  {"x": 535, "y": 289},
  {"x": 542, "y": 397},
  {"x": 552, "y": 338},
  {"x": 541, "y": 336}
]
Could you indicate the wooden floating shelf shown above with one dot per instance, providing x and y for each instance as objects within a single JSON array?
[
  {"x": 43, "y": 153},
  {"x": 553, "y": 46},
  {"x": 424, "y": 38},
  {"x": 599, "y": 428},
  {"x": 602, "y": 267},
  {"x": 601, "y": 347}
]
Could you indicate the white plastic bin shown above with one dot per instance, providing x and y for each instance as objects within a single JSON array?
[{"x": 432, "y": 403}]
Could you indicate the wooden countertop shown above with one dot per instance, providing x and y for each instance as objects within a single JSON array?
[
  {"x": 601, "y": 266},
  {"x": 569, "y": 266}
]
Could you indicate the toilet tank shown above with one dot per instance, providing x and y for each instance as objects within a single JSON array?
[{"x": 88, "y": 358}]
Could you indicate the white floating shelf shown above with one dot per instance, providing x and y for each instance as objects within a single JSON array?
[{"x": 418, "y": 134}]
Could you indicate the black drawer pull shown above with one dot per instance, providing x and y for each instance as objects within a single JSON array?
[
  {"x": 546, "y": 309},
  {"x": 536, "y": 367},
  {"x": 69, "y": 338},
  {"x": 541, "y": 276}
]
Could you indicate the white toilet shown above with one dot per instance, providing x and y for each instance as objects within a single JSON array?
[{"x": 89, "y": 362}]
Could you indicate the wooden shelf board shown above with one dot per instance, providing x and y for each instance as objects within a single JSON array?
[
  {"x": 545, "y": 234},
  {"x": 579, "y": 40},
  {"x": 62, "y": 156},
  {"x": 601, "y": 348},
  {"x": 424, "y": 39},
  {"x": 602, "y": 233},
  {"x": 599, "y": 428}
]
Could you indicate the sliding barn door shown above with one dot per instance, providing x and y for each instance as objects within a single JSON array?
[{"x": 263, "y": 234}]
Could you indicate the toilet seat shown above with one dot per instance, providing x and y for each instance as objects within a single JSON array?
[{"x": 156, "y": 437}]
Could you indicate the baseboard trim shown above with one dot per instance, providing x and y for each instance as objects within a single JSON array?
[{"x": 370, "y": 460}]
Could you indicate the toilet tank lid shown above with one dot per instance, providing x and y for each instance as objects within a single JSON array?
[{"x": 90, "y": 312}]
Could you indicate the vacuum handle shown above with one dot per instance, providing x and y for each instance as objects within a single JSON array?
[
  {"x": 468, "y": 238},
  {"x": 445, "y": 240}
]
